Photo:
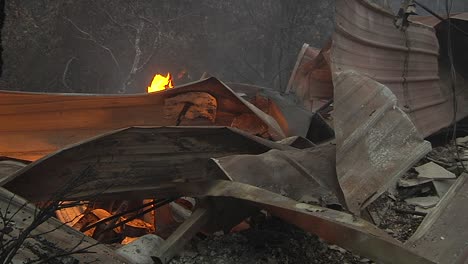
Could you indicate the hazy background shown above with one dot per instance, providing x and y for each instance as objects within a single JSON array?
[{"x": 98, "y": 46}]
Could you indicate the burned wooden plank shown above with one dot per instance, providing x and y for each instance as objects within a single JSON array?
[
  {"x": 376, "y": 141},
  {"x": 442, "y": 236},
  {"x": 133, "y": 159},
  {"x": 50, "y": 242},
  {"x": 183, "y": 234},
  {"x": 36, "y": 124}
]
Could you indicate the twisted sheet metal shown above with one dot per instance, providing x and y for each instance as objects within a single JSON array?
[
  {"x": 376, "y": 141},
  {"x": 336, "y": 227},
  {"x": 36, "y": 124},
  {"x": 293, "y": 119},
  {"x": 132, "y": 157},
  {"x": 311, "y": 79}
]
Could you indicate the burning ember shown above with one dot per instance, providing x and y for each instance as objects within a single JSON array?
[{"x": 160, "y": 83}]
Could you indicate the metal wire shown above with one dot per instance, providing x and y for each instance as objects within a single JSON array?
[
  {"x": 156, "y": 203},
  {"x": 453, "y": 81},
  {"x": 453, "y": 73}
]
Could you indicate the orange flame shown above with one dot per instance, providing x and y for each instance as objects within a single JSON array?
[{"x": 160, "y": 83}]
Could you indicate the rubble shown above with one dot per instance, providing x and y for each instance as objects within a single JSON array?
[
  {"x": 141, "y": 250},
  {"x": 443, "y": 236},
  {"x": 442, "y": 186},
  {"x": 433, "y": 171},
  {"x": 394, "y": 216},
  {"x": 424, "y": 202},
  {"x": 271, "y": 241},
  {"x": 207, "y": 162},
  {"x": 413, "y": 182},
  {"x": 462, "y": 141}
]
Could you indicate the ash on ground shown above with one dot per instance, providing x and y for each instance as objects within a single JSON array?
[
  {"x": 271, "y": 242},
  {"x": 393, "y": 215}
]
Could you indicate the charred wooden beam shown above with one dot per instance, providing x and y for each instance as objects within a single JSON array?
[{"x": 182, "y": 235}]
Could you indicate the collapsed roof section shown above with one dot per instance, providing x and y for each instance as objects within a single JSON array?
[
  {"x": 341, "y": 228},
  {"x": 39, "y": 123},
  {"x": 133, "y": 160}
]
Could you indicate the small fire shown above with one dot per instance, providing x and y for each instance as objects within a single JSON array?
[{"x": 160, "y": 83}]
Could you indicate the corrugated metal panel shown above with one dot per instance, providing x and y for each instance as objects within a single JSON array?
[
  {"x": 376, "y": 141},
  {"x": 367, "y": 41},
  {"x": 36, "y": 124},
  {"x": 138, "y": 157},
  {"x": 311, "y": 79}
]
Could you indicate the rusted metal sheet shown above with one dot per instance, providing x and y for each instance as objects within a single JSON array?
[
  {"x": 293, "y": 119},
  {"x": 172, "y": 162},
  {"x": 51, "y": 241},
  {"x": 311, "y": 79},
  {"x": 376, "y": 141},
  {"x": 367, "y": 41},
  {"x": 442, "y": 236},
  {"x": 135, "y": 158},
  {"x": 35, "y": 124},
  {"x": 307, "y": 175}
]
